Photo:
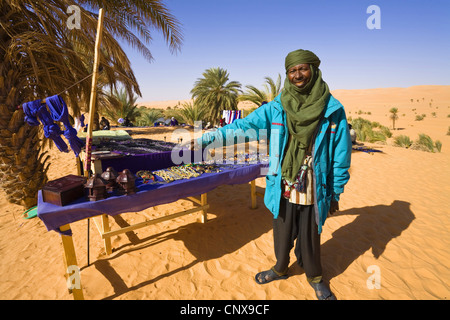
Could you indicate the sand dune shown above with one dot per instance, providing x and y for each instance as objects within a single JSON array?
[{"x": 394, "y": 219}]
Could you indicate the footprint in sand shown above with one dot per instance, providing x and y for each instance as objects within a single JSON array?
[{"x": 215, "y": 270}]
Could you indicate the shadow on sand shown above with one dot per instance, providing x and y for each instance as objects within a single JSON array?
[
  {"x": 373, "y": 228},
  {"x": 200, "y": 239}
]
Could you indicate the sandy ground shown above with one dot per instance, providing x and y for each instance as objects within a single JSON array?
[{"x": 392, "y": 230}]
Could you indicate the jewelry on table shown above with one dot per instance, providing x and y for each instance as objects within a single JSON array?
[
  {"x": 146, "y": 176},
  {"x": 185, "y": 171}
]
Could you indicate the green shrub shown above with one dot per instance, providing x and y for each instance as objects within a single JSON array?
[
  {"x": 385, "y": 131},
  {"x": 425, "y": 143},
  {"x": 419, "y": 118},
  {"x": 148, "y": 116},
  {"x": 402, "y": 141},
  {"x": 364, "y": 130},
  {"x": 438, "y": 145},
  {"x": 374, "y": 136},
  {"x": 359, "y": 123}
]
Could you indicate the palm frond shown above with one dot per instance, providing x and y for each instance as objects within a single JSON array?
[
  {"x": 257, "y": 96},
  {"x": 216, "y": 93},
  {"x": 191, "y": 112},
  {"x": 40, "y": 56}
]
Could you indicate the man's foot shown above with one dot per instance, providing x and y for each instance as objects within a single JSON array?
[
  {"x": 322, "y": 290},
  {"x": 269, "y": 275}
]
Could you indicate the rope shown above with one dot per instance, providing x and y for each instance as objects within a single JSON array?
[
  {"x": 68, "y": 88},
  {"x": 75, "y": 84}
]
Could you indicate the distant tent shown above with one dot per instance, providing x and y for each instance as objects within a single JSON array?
[
  {"x": 231, "y": 115},
  {"x": 158, "y": 121}
]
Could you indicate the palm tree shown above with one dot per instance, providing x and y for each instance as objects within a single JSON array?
[
  {"x": 127, "y": 107},
  {"x": 148, "y": 116},
  {"x": 40, "y": 56},
  {"x": 191, "y": 112},
  {"x": 216, "y": 93},
  {"x": 393, "y": 116},
  {"x": 257, "y": 96}
]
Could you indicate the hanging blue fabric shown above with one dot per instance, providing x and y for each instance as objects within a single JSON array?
[
  {"x": 36, "y": 110},
  {"x": 59, "y": 112},
  {"x": 82, "y": 120}
]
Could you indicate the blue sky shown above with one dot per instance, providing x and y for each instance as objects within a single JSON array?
[{"x": 251, "y": 38}]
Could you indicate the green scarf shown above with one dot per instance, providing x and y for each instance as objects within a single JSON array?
[{"x": 304, "y": 109}]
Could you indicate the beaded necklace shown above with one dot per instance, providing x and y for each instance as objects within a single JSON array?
[{"x": 185, "y": 171}]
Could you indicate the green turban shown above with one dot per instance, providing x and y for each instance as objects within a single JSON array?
[
  {"x": 304, "y": 109},
  {"x": 299, "y": 57}
]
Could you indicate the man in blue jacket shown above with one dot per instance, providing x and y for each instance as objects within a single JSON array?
[{"x": 309, "y": 158}]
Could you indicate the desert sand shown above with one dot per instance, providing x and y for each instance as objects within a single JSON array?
[{"x": 394, "y": 220}]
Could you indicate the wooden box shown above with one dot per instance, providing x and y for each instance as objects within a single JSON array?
[{"x": 64, "y": 190}]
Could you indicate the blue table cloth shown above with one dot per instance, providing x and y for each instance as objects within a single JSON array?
[
  {"x": 136, "y": 162},
  {"x": 148, "y": 195}
]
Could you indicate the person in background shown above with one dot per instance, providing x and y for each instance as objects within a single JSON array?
[
  {"x": 79, "y": 123},
  {"x": 352, "y": 134},
  {"x": 127, "y": 122},
  {"x": 104, "y": 124},
  {"x": 173, "y": 122}
]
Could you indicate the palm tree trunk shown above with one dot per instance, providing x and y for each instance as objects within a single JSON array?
[
  {"x": 23, "y": 165},
  {"x": 96, "y": 124}
]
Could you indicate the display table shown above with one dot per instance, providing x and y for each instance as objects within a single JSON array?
[
  {"x": 58, "y": 218},
  {"x": 134, "y": 155}
]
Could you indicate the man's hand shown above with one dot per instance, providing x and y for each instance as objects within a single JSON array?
[{"x": 334, "y": 206}]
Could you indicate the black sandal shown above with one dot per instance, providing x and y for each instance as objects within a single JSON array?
[
  {"x": 323, "y": 292},
  {"x": 269, "y": 276}
]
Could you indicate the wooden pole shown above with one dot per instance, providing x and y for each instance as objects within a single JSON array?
[
  {"x": 71, "y": 264},
  {"x": 93, "y": 100},
  {"x": 92, "y": 107}
]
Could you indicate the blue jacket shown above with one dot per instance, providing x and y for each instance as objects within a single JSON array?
[{"x": 331, "y": 151}]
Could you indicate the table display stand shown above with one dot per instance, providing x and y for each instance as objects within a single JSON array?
[
  {"x": 103, "y": 226},
  {"x": 58, "y": 219}
]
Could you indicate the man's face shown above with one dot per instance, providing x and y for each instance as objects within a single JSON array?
[{"x": 299, "y": 75}]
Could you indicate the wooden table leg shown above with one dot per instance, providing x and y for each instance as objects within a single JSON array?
[
  {"x": 106, "y": 228},
  {"x": 204, "y": 202},
  {"x": 253, "y": 193},
  {"x": 72, "y": 269}
]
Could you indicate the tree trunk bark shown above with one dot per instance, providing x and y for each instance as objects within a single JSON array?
[{"x": 23, "y": 165}]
